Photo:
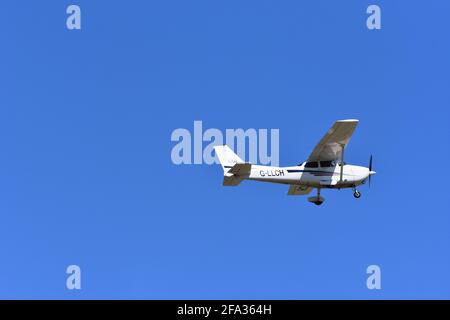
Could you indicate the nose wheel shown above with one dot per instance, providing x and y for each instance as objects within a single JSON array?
[{"x": 357, "y": 194}]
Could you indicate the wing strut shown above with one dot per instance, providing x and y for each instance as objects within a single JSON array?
[{"x": 342, "y": 161}]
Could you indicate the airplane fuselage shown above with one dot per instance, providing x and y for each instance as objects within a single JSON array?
[{"x": 320, "y": 177}]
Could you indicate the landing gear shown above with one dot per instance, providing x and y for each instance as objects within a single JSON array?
[
  {"x": 317, "y": 200},
  {"x": 357, "y": 194}
]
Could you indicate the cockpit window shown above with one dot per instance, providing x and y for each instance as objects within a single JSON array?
[
  {"x": 312, "y": 164},
  {"x": 324, "y": 164}
]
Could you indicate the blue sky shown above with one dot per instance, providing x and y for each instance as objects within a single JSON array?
[{"x": 86, "y": 176}]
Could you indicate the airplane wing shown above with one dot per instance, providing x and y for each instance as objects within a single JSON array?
[
  {"x": 330, "y": 147},
  {"x": 295, "y": 190}
]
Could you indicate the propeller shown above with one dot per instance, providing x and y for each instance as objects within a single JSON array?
[{"x": 370, "y": 169}]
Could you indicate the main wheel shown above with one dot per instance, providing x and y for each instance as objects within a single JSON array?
[
  {"x": 317, "y": 200},
  {"x": 357, "y": 194}
]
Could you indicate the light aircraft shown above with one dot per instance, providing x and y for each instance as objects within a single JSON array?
[{"x": 325, "y": 167}]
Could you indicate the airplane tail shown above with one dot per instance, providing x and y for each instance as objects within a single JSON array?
[
  {"x": 227, "y": 157},
  {"x": 234, "y": 168}
]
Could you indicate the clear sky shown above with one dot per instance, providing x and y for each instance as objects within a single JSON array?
[{"x": 86, "y": 176}]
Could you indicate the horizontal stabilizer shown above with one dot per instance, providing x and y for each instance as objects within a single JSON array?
[
  {"x": 241, "y": 169},
  {"x": 231, "y": 181}
]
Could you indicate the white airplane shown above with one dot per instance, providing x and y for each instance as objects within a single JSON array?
[{"x": 325, "y": 167}]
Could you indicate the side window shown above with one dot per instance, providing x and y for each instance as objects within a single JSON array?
[
  {"x": 312, "y": 165},
  {"x": 324, "y": 164}
]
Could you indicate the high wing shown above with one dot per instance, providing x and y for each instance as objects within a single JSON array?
[
  {"x": 296, "y": 190},
  {"x": 331, "y": 145}
]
